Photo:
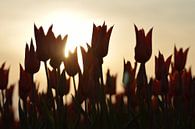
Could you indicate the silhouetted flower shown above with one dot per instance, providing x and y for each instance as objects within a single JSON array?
[
  {"x": 129, "y": 77},
  {"x": 64, "y": 84},
  {"x": 71, "y": 63},
  {"x": 88, "y": 81},
  {"x": 161, "y": 66},
  {"x": 25, "y": 84},
  {"x": 156, "y": 87},
  {"x": 4, "y": 73},
  {"x": 57, "y": 51},
  {"x": 43, "y": 42},
  {"x": 53, "y": 78},
  {"x": 110, "y": 87},
  {"x": 9, "y": 94},
  {"x": 31, "y": 62},
  {"x": 100, "y": 40},
  {"x": 180, "y": 58},
  {"x": 143, "y": 48}
]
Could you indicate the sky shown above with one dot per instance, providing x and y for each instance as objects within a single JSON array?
[{"x": 173, "y": 23}]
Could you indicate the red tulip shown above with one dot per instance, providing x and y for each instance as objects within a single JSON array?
[
  {"x": 4, "y": 73},
  {"x": 57, "y": 51},
  {"x": 161, "y": 66},
  {"x": 71, "y": 63},
  {"x": 44, "y": 42},
  {"x": 64, "y": 84},
  {"x": 25, "y": 84},
  {"x": 180, "y": 58},
  {"x": 9, "y": 94},
  {"x": 53, "y": 78},
  {"x": 31, "y": 62},
  {"x": 100, "y": 40},
  {"x": 129, "y": 77},
  {"x": 143, "y": 48},
  {"x": 110, "y": 87}
]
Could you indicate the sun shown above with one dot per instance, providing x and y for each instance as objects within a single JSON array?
[{"x": 77, "y": 26}]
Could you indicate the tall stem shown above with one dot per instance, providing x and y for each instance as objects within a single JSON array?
[{"x": 74, "y": 86}]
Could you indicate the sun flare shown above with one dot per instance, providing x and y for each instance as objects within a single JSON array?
[{"x": 73, "y": 24}]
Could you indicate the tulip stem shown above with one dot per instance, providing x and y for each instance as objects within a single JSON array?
[
  {"x": 74, "y": 86},
  {"x": 49, "y": 91}
]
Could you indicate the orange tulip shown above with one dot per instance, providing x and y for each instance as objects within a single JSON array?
[
  {"x": 4, "y": 73},
  {"x": 143, "y": 48},
  {"x": 31, "y": 62},
  {"x": 180, "y": 58},
  {"x": 25, "y": 84},
  {"x": 100, "y": 40},
  {"x": 161, "y": 66},
  {"x": 43, "y": 42},
  {"x": 71, "y": 63}
]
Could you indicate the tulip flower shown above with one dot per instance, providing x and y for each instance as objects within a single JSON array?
[
  {"x": 129, "y": 78},
  {"x": 100, "y": 40},
  {"x": 110, "y": 87},
  {"x": 25, "y": 84},
  {"x": 44, "y": 42},
  {"x": 71, "y": 63},
  {"x": 143, "y": 48},
  {"x": 9, "y": 94},
  {"x": 31, "y": 62},
  {"x": 53, "y": 78},
  {"x": 161, "y": 66},
  {"x": 64, "y": 84},
  {"x": 4, "y": 73},
  {"x": 180, "y": 58},
  {"x": 57, "y": 51}
]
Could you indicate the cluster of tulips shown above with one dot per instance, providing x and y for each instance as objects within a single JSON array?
[{"x": 166, "y": 101}]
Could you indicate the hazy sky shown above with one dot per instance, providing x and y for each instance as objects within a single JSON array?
[{"x": 173, "y": 23}]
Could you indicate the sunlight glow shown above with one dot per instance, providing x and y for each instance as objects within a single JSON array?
[{"x": 75, "y": 25}]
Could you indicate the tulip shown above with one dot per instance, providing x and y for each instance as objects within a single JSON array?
[
  {"x": 87, "y": 87},
  {"x": 129, "y": 77},
  {"x": 9, "y": 94},
  {"x": 25, "y": 84},
  {"x": 31, "y": 62},
  {"x": 44, "y": 43},
  {"x": 57, "y": 51},
  {"x": 180, "y": 58},
  {"x": 100, "y": 40},
  {"x": 143, "y": 48},
  {"x": 53, "y": 78},
  {"x": 161, "y": 66},
  {"x": 71, "y": 63},
  {"x": 4, "y": 73},
  {"x": 110, "y": 83},
  {"x": 64, "y": 84}
]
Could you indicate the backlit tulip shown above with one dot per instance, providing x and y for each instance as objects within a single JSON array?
[
  {"x": 110, "y": 87},
  {"x": 9, "y": 94},
  {"x": 100, "y": 40},
  {"x": 4, "y": 73},
  {"x": 43, "y": 42},
  {"x": 31, "y": 62},
  {"x": 71, "y": 63},
  {"x": 57, "y": 51},
  {"x": 161, "y": 66},
  {"x": 143, "y": 48},
  {"x": 25, "y": 84},
  {"x": 180, "y": 58}
]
